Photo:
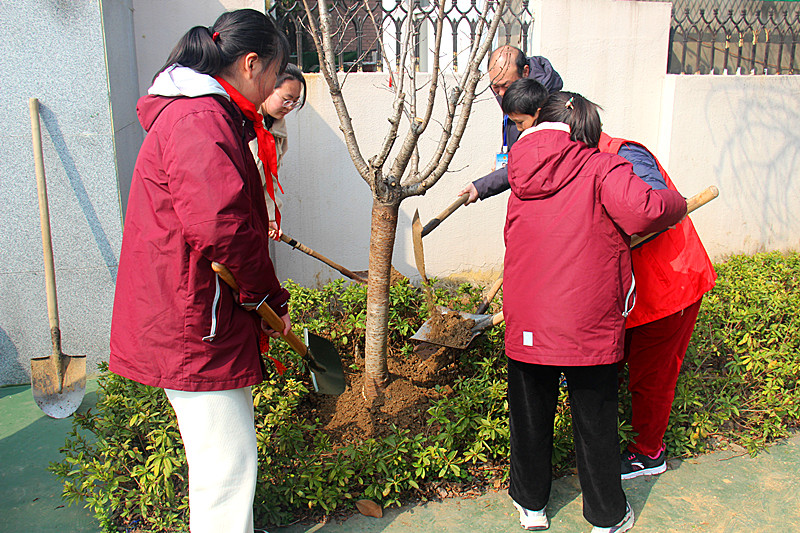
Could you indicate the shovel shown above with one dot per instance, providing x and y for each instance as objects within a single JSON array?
[
  {"x": 58, "y": 381},
  {"x": 418, "y": 232},
  {"x": 482, "y": 322},
  {"x": 321, "y": 355},
  {"x": 306, "y": 250}
]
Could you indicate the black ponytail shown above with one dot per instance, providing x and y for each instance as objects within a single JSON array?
[
  {"x": 234, "y": 34},
  {"x": 580, "y": 114}
]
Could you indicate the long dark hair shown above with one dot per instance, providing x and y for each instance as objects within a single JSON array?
[
  {"x": 237, "y": 33},
  {"x": 580, "y": 114}
]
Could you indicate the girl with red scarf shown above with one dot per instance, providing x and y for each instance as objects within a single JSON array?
[{"x": 196, "y": 197}]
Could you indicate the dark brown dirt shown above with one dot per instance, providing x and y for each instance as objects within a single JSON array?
[
  {"x": 349, "y": 417},
  {"x": 450, "y": 328}
]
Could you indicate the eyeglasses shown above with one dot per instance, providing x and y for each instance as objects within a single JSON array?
[{"x": 291, "y": 104}]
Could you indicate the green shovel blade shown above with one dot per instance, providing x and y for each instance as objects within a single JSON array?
[{"x": 326, "y": 364}]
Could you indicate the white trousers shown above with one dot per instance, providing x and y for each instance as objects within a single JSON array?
[{"x": 220, "y": 442}]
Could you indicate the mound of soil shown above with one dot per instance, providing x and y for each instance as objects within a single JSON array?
[
  {"x": 414, "y": 378},
  {"x": 450, "y": 328}
]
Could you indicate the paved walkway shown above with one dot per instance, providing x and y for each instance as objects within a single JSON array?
[{"x": 720, "y": 492}]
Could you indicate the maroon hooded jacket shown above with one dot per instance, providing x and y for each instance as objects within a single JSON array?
[
  {"x": 568, "y": 263},
  {"x": 195, "y": 197}
]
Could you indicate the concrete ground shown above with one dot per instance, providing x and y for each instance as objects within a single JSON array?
[{"x": 720, "y": 492}]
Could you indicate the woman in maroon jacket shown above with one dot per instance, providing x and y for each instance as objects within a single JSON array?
[
  {"x": 196, "y": 197},
  {"x": 568, "y": 288}
]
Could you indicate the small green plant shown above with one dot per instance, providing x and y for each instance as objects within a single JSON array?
[{"x": 124, "y": 458}]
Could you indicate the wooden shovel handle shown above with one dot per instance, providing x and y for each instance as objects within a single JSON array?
[
  {"x": 306, "y": 250},
  {"x": 497, "y": 318},
  {"x": 489, "y": 296},
  {"x": 430, "y": 226},
  {"x": 698, "y": 200},
  {"x": 44, "y": 220},
  {"x": 263, "y": 310}
]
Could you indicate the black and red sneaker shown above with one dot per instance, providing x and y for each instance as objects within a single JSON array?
[{"x": 638, "y": 464}]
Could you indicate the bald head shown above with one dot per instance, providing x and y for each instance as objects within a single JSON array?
[{"x": 507, "y": 64}]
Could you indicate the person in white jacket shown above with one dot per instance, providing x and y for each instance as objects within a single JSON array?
[{"x": 289, "y": 94}]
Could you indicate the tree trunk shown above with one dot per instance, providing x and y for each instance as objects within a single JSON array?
[{"x": 381, "y": 246}]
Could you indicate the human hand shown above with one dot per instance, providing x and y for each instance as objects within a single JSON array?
[
  {"x": 471, "y": 191},
  {"x": 274, "y": 232},
  {"x": 287, "y": 326}
]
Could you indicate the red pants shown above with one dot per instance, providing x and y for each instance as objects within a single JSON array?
[{"x": 654, "y": 353}]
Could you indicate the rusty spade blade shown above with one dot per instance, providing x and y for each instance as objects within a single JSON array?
[{"x": 418, "y": 232}]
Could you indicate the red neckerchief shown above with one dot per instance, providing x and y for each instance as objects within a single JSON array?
[{"x": 266, "y": 142}]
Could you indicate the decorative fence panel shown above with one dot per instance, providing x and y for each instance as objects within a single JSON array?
[
  {"x": 367, "y": 31},
  {"x": 734, "y": 38}
]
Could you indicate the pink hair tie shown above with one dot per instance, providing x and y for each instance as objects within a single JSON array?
[{"x": 215, "y": 36}]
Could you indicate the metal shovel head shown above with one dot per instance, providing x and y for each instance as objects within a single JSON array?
[
  {"x": 54, "y": 400},
  {"x": 326, "y": 365},
  {"x": 416, "y": 241},
  {"x": 482, "y": 322}
]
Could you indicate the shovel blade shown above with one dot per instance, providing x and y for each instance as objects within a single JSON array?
[
  {"x": 55, "y": 400},
  {"x": 482, "y": 322},
  {"x": 326, "y": 365},
  {"x": 416, "y": 241}
]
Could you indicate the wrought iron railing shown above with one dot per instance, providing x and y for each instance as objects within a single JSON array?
[
  {"x": 362, "y": 26},
  {"x": 762, "y": 40}
]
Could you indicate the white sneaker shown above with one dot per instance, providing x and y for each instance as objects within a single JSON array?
[
  {"x": 532, "y": 520},
  {"x": 623, "y": 525}
]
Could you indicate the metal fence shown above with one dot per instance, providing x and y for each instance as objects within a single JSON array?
[
  {"x": 756, "y": 38},
  {"x": 368, "y": 30}
]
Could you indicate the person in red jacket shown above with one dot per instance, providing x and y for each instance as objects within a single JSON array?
[
  {"x": 673, "y": 272},
  {"x": 196, "y": 197},
  {"x": 568, "y": 288}
]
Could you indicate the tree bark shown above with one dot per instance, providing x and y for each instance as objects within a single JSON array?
[{"x": 381, "y": 246}]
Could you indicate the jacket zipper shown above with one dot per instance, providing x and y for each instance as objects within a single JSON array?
[{"x": 213, "y": 333}]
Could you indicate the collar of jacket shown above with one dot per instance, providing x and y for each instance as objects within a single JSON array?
[
  {"x": 560, "y": 126},
  {"x": 177, "y": 80}
]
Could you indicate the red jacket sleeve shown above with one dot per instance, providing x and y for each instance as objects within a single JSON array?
[
  {"x": 633, "y": 205},
  {"x": 214, "y": 202}
]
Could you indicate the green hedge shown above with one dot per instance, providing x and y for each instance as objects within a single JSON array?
[{"x": 124, "y": 458}]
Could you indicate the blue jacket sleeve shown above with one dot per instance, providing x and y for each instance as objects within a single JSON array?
[
  {"x": 644, "y": 165},
  {"x": 542, "y": 71},
  {"x": 492, "y": 184}
]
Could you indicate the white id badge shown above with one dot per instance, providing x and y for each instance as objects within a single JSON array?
[{"x": 501, "y": 160}]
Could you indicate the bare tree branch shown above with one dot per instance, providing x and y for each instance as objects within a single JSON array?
[
  {"x": 465, "y": 90},
  {"x": 327, "y": 67},
  {"x": 399, "y": 101},
  {"x": 418, "y": 125}
]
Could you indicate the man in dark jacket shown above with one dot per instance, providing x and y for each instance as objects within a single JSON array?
[{"x": 507, "y": 64}]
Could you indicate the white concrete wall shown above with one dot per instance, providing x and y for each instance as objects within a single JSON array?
[{"x": 739, "y": 133}]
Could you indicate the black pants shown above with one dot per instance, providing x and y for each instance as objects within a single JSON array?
[{"x": 532, "y": 397}]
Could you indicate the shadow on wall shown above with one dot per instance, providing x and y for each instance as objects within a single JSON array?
[
  {"x": 759, "y": 158},
  {"x": 10, "y": 368},
  {"x": 50, "y": 121}
]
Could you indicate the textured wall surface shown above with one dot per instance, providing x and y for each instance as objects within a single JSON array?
[
  {"x": 54, "y": 51},
  {"x": 738, "y": 133}
]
